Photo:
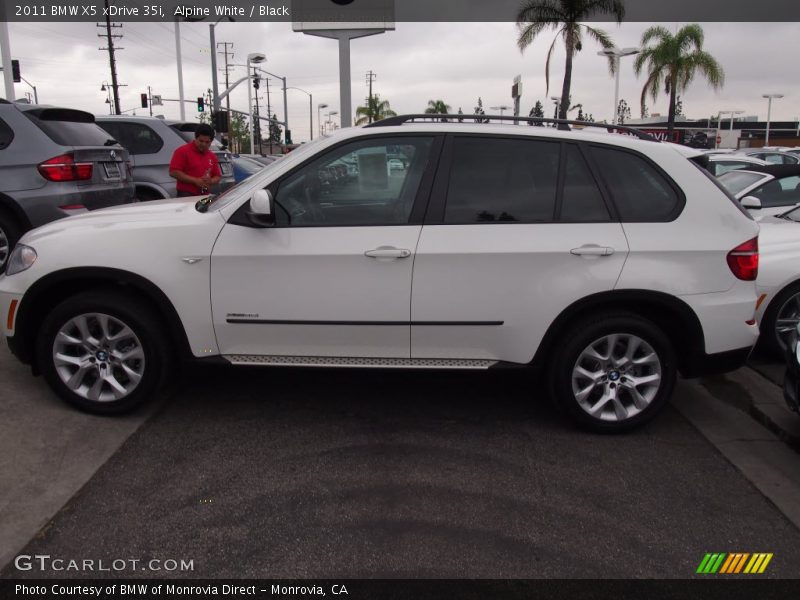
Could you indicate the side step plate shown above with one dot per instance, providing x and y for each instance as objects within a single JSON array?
[{"x": 378, "y": 363}]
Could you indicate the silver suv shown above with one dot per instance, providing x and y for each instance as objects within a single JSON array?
[
  {"x": 54, "y": 162},
  {"x": 151, "y": 142}
]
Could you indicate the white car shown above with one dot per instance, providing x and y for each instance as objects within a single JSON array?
[
  {"x": 610, "y": 262},
  {"x": 765, "y": 190},
  {"x": 778, "y": 284}
]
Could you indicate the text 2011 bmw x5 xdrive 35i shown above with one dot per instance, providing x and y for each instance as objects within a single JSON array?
[{"x": 613, "y": 262}]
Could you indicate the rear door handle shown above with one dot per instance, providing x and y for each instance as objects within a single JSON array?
[
  {"x": 592, "y": 250},
  {"x": 388, "y": 252}
]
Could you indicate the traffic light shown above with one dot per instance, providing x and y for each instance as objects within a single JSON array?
[
  {"x": 144, "y": 100},
  {"x": 288, "y": 137},
  {"x": 256, "y": 82},
  {"x": 221, "y": 121},
  {"x": 15, "y": 71},
  {"x": 201, "y": 105}
]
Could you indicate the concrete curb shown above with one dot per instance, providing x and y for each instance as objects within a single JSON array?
[{"x": 758, "y": 391}]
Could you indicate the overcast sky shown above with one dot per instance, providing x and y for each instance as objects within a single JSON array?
[{"x": 455, "y": 62}]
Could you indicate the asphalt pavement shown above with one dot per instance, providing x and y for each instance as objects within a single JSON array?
[{"x": 337, "y": 473}]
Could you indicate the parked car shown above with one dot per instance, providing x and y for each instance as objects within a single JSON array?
[
  {"x": 765, "y": 190},
  {"x": 778, "y": 285},
  {"x": 186, "y": 130},
  {"x": 606, "y": 262},
  {"x": 264, "y": 160},
  {"x": 722, "y": 163},
  {"x": 151, "y": 143},
  {"x": 791, "y": 381},
  {"x": 244, "y": 167},
  {"x": 774, "y": 157},
  {"x": 54, "y": 162}
]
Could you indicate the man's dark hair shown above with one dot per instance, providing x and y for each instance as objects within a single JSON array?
[{"x": 204, "y": 129}]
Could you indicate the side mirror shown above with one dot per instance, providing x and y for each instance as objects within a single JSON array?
[
  {"x": 751, "y": 203},
  {"x": 262, "y": 209}
]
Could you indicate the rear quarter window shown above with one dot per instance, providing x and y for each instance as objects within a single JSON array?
[
  {"x": 69, "y": 127},
  {"x": 640, "y": 191}
]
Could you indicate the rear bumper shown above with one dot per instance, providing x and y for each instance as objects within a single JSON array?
[{"x": 721, "y": 362}]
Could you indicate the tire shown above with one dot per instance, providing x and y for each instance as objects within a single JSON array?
[
  {"x": 96, "y": 374},
  {"x": 786, "y": 308},
  {"x": 10, "y": 232},
  {"x": 606, "y": 402}
]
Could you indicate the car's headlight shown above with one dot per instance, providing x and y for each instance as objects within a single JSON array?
[{"x": 22, "y": 258}]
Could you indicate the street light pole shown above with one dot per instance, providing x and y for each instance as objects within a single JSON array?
[
  {"x": 310, "y": 110},
  {"x": 769, "y": 111},
  {"x": 501, "y": 108},
  {"x": 615, "y": 54},
  {"x": 252, "y": 59}
]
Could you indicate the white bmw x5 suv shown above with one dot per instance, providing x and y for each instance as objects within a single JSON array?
[{"x": 611, "y": 262}]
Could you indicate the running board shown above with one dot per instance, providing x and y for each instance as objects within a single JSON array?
[{"x": 376, "y": 363}]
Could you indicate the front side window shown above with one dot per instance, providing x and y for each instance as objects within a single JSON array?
[
  {"x": 778, "y": 192},
  {"x": 502, "y": 180},
  {"x": 641, "y": 193},
  {"x": 368, "y": 182}
]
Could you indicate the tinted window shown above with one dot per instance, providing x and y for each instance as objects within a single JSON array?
[
  {"x": 640, "y": 192},
  {"x": 582, "y": 201},
  {"x": 6, "y": 135},
  {"x": 723, "y": 166},
  {"x": 778, "y": 192},
  {"x": 369, "y": 182},
  {"x": 68, "y": 127},
  {"x": 735, "y": 182},
  {"x": 502, "y": 180},
  {"x": 135, "y": 137}
]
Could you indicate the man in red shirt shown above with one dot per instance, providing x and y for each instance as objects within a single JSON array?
[{"x": 195, "y": 166}]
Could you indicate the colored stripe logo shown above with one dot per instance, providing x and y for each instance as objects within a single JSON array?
[{"x": 734, "y": 563}]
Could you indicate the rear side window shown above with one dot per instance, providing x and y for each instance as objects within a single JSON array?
[
  {"x": 582, "y": 201},
  {"x": 502, "y": 180},
  {"x": 68, "y": 127},
  {"x": 6, "y": 135},
  {"x": 641, "y": 193},
  {"x": 137, "y": 138}
]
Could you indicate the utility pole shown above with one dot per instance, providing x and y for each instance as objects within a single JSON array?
[
  {"x": 150, "y": 100},
  {"x": 114, "y": 85},
  {"x": 269, "y": 116},
  {"x": 227, "y": 84},
  {"x": 257, "y": 120},
  {"x": 370, "y": 78}
]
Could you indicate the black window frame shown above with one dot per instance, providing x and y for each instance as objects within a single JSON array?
[
  {"x": 677, "y": 210},
  {"x": 421, "y": 200},
  {"x": 6, "y": 133},
  {"x": 438, "y": 202}
]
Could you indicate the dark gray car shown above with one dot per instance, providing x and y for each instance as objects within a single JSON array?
[
  {"x": 151, "y": 142},
  {"x": 54, "y": 162}
]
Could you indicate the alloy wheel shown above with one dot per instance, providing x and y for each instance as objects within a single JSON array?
[
  {"x": 616, "y": 377},
  {"x": 787, "y": 319},
  {"x": 98, "y": 357}
]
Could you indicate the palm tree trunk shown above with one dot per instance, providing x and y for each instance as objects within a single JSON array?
[
  {"x": 673, "y": 94},
  {"x": 565, "y": 89}
]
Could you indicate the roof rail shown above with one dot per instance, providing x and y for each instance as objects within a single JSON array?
[{"x": 402, "y": 119}]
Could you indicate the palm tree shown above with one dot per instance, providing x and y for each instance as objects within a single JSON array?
[
  {"x": 375, "y": 110},
  {"x": 437, "y": 107},
  {"x": 563, "y": 16},
  {"x": 672, "y": 62}
]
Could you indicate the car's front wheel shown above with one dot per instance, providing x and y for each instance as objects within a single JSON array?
[
  {"x": 613, "y": 372},
  {"x": 102, "y": 352},
  {"x": 9, "y": 234}
]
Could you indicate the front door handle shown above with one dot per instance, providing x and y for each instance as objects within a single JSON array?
[
  {"x": 388, "y": 252},
  {"x": 592, "y": 250}
]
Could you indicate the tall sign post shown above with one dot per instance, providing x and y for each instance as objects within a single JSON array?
[
  {"x": 516, "y": 93},
  {"x": 343, "y": 20}
]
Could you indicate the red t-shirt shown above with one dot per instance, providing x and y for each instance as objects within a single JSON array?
[{"x": 188, "y": 159}]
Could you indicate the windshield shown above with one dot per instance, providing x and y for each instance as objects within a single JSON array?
[
  {"x": 792, "y": 215},
  {"x": 736, "y": 181},
  {"x": 222, "y": 200}
]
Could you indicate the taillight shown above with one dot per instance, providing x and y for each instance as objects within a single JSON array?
[
  {"x": 743, "y": 260},
  {"x": 64, "y": 168}
]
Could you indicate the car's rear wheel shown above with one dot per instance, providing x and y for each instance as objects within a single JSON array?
[
  {"x": 780, "y": 319},
  {"x": 613, "y": 372},
  {"x": 102, "y": 352},
  {"x": 9, "y": 235},
  {"x": 146, "y": 195}
]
